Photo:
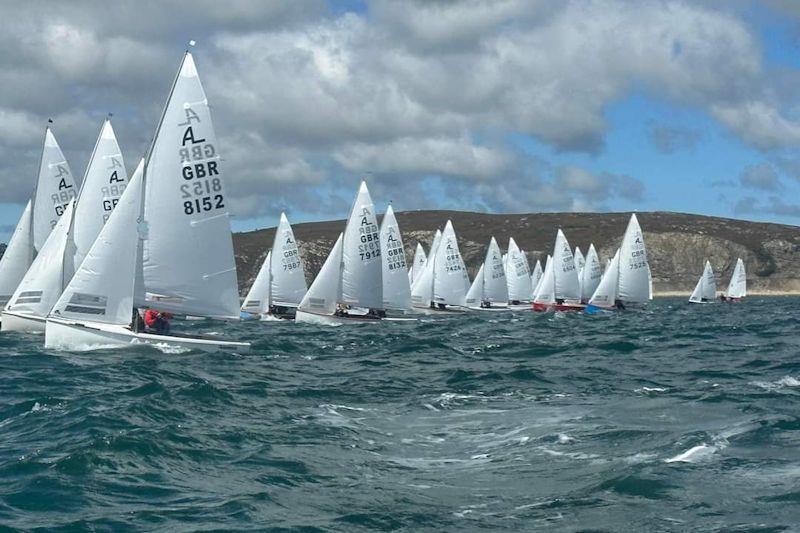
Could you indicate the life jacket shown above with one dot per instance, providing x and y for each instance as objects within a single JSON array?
[{"x": 150, "y": 318}]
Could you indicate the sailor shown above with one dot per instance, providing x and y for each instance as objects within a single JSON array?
[
  {"x": 157, "y": 321},
  {"x": 341, "y": 310}
]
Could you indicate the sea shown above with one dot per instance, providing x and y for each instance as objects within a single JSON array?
[{"x": 676, "y": 417}]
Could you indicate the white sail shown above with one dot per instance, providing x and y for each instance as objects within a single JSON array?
[
  {"x": 17, "y": 258},
  {"x": 188, "y": 258},
  {"x": 737, "y": 288},
  {"x": 546, "y": 292},
  {"x": 634, "y": 277},
  {"x": 449, "y": 270},
  {"x": 101, "y": 189},
  {"x": 567, "y": 285},
  {"x": 536, "y": 278},
  {"x": 396, "y": 288},
  {"x": 580, "y": 260},
  {"x": 257, "y": 299},
  {"x": 495, "y": 287},
  {"x": 706, "y": 288},
  {"x": 606, "y": 293},
  {"x": 590, "y": 274},
  {"x": 518, "y": 275},
  {"x": 362, "y": 284},
  {"x": 288, "y": 278},
  {"x": 42, "y": 284},
  {"x": 325, "y": 290},
  {"x": 102, "y": 289},
  {"x": 422, "y": 288},
  {"x": 419, "y": 264},
  {"x": 474, "y": 295},
  {"x": 55, "y": 188}
]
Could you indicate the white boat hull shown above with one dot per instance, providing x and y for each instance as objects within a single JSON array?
[
  {"x": 437, "y": 311},
  {"x": 331, "y": 320},
  {"x": 75, "y": 336},
  {"x": 22, "y": 322},
  {"x": 489, "y": 309}
]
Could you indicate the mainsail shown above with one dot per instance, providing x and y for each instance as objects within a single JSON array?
[
  {"x": 396, "y": 288},
  {"x": 287, "y": 276},
  {"x": 590, "y": 274},
  {"x": 422, "y": 288},
  {"x": 55, "y": 189},
  {"x": 518, "y": 275},
  {"x": 536, "y": 278},
  {"x": 546, "y": 291},
  {"x": 102, "y": 186},
  {"x": 449, "y": 285},
  {"x": 634, "y": 270},
  {"x": 362, "y": 283},
  {"x": 188, "y": 258},
  {"x": 706, "y": 288},
  {"x": 419, "y": 264},
  {"x": 737, "y": 288},
  {"x": 567, "y": 286}
]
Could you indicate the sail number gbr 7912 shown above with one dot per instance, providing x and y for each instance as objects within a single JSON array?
[{"x": 202, "y": 189}]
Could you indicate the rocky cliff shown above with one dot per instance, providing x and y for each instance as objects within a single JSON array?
[{"x": 677, "y": 244}]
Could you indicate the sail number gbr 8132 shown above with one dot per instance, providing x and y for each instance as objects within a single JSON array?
[{"x": 202, "y": 190}]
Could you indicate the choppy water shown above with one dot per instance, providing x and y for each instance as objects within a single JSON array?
[{"x": 678, "y": 418}]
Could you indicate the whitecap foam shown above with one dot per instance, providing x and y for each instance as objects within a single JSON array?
[
  {"x": 649, "y": 390},
  {"x": 694, "y": 454}
]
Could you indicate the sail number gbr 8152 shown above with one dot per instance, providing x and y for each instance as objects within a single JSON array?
[{"x": 202, "y": 190}]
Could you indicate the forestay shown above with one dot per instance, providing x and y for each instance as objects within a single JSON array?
[
  {"x": 591, "y": 274},
  {"x": 288, "y": 278},
  {"x": 634, "y": 270},
  {"x": 325, "y": 291},
  {"x": 17, "y": 258},
  {"x": 449, "y": 286},
  {"x": 606, "y": 293},
  {"x": 396, "y": 288},
  {"x": 518, "y": 275},
  {"x": 102, "y": 289},
  {"x": 737, "y": 288},
  {"x": 257, "y": 299},
  {"x": 362, "y": 284},
  {"x": 566, "y": 277},
  {"x": 101, "y": 189},
  {"x": 55, "y": 188},
  {"x": 42, "y": 284},
  {"x": 188, "y": 258}
]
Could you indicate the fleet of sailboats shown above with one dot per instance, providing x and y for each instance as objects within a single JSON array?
[{"x": 82, "y": 263}]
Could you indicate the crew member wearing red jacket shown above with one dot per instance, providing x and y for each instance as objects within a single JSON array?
[{"x": 157, "y": 321}]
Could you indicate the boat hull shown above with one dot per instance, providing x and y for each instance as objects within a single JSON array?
[
  {"x": 437, "y": 311},
  {"x": 569, "y": 307},
  {"x": 307, "y": 317},
  {"x": 74, "y": 336},
  {"x": 22, "y": 322},
  {"x": 489, "y": 309}
]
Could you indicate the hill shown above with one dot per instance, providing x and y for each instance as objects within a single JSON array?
[{"x": 677, "y": 244}]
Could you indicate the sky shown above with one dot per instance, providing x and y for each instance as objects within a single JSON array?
[{"x": 497, "y": 106}]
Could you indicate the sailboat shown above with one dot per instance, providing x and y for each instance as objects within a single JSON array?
[
  {"x": 579, "y": 261},
  {"x": 55, "y": 188},
  {"x": 166, "y": 246},
  {"x": 443, "y": 285},
  {"x": 737, "y": 288},
  {"x": 349, "y": 287},
  {"x": 281, "y": 281},
  {"x": 567, "y": 290},
  {"x": 627, "y": 279},
  {"x": 536, "y": 278},
  {"x": 705, "y": 292},
  {"x": 396, "y": 287},
  {"x": 102, "y": 186},
  {"x": 590, "y": 274},
  {"x": 518, "y": 277},
  {"x": 418, "y": 265},
  {"x": 489, "y": 290},
  {"x": 545, "y": 296}
]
